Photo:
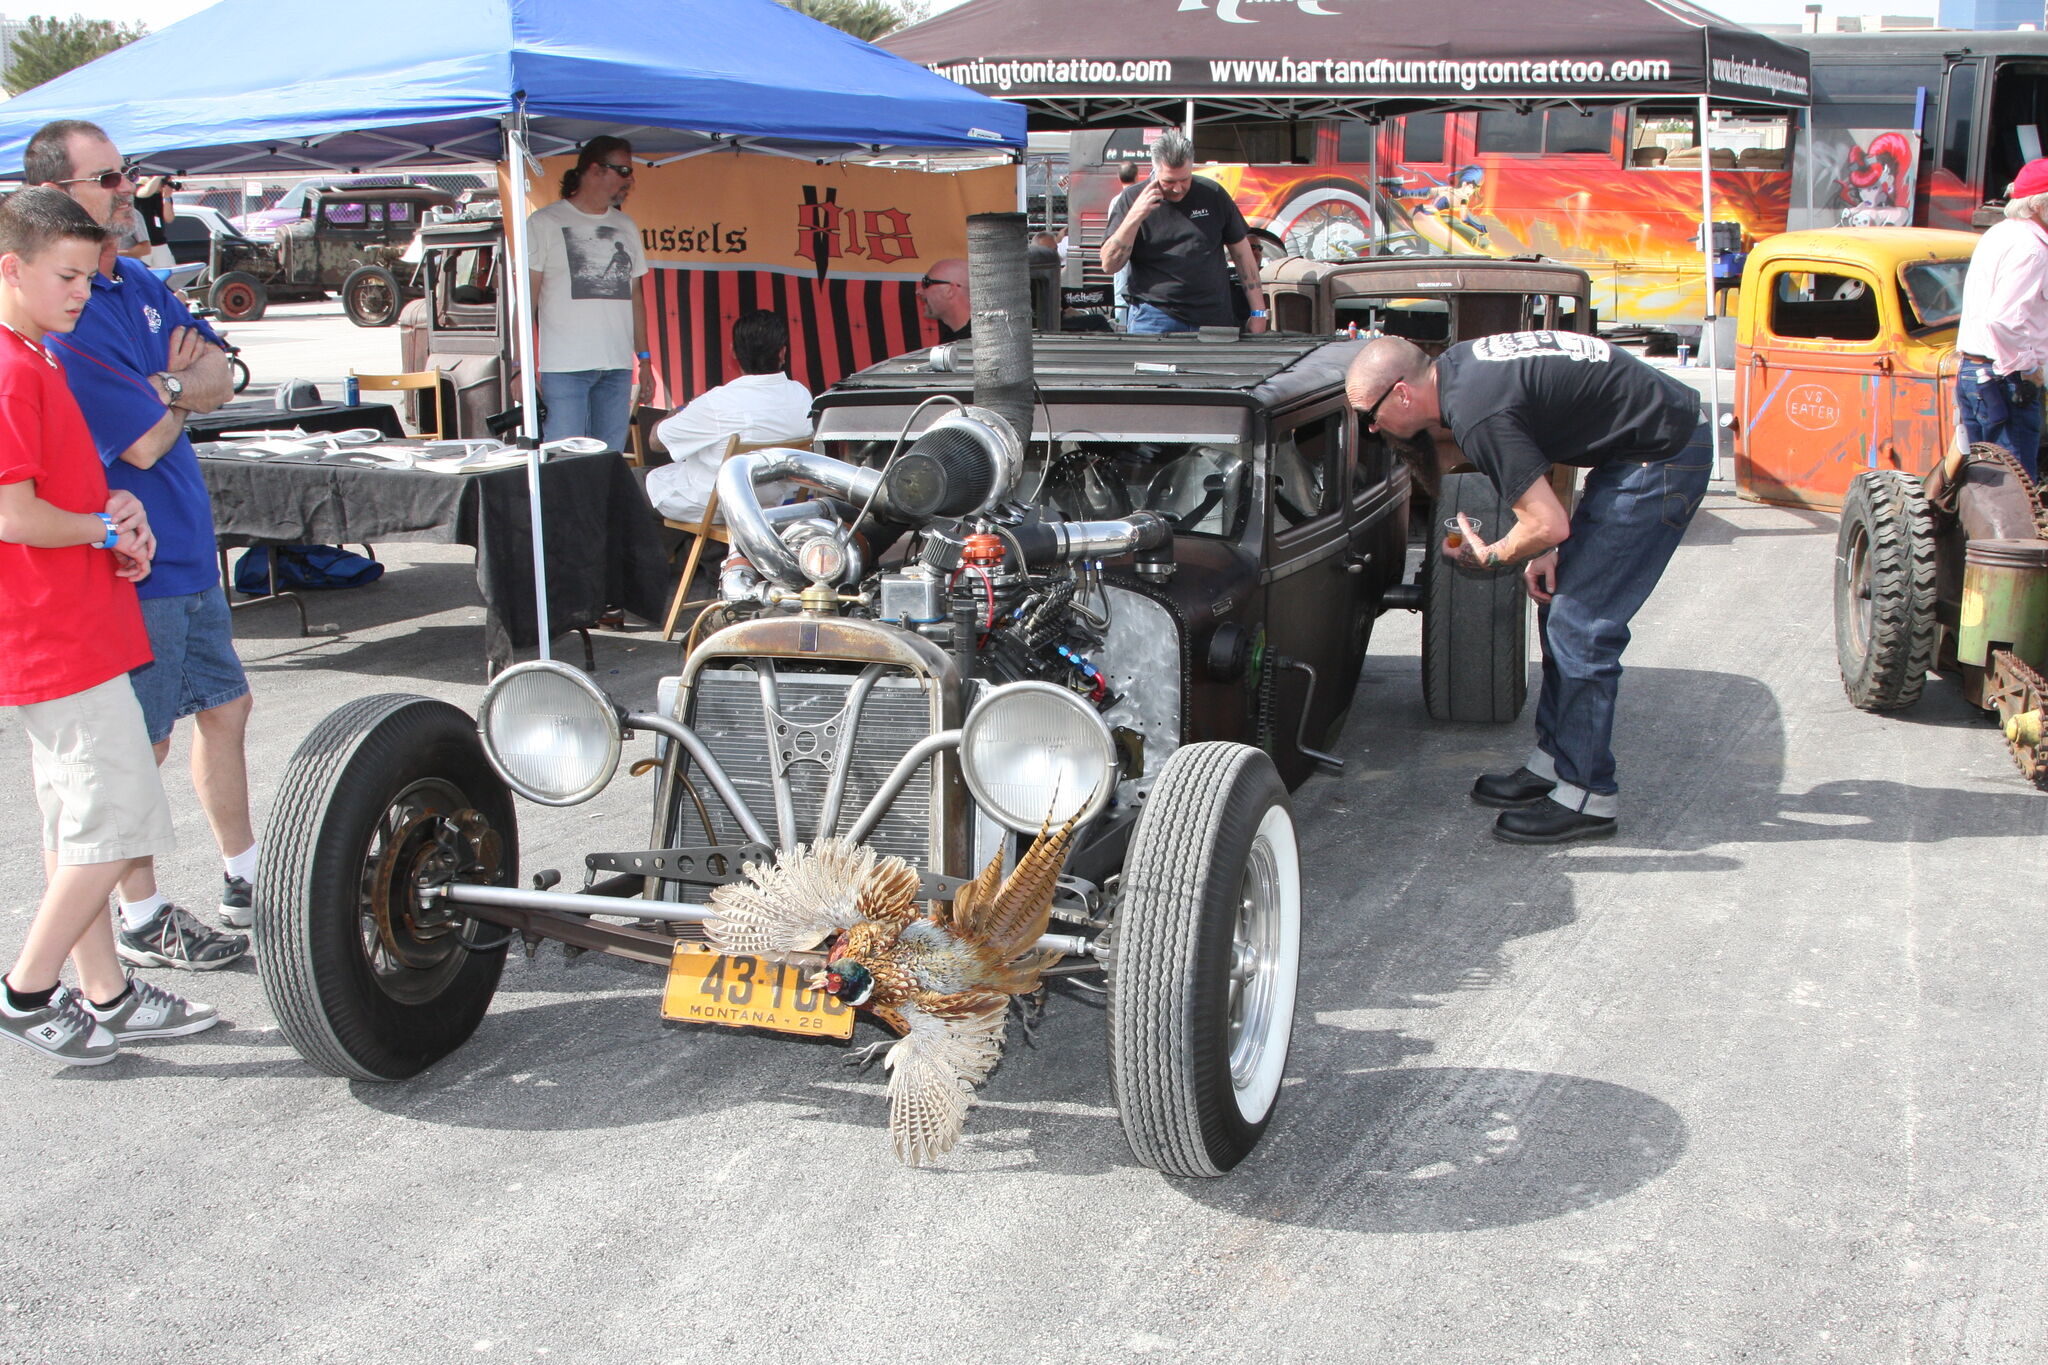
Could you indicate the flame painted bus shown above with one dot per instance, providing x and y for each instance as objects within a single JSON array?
[{"x": 1906, "y": 128}]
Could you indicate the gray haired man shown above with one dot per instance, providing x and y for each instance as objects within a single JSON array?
[{"x": 1173, "y": 231}]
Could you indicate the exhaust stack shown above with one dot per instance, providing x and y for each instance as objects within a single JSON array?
[{"x": 999, "y": 281}]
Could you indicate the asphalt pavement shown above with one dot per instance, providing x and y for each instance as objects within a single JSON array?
[{"x": 1758, "y": 1080}]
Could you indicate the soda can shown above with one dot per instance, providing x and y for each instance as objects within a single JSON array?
[
  {"x": 1684, "y": 355},
  {"x": 352, "y": 393}
]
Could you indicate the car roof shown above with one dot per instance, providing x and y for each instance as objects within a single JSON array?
[
  {"x": 1887, "y": 247},
  {"x": 1257, "y": 371},
  {"x": 1435, "y": 274},
  {"x": 378, "y": 194}
]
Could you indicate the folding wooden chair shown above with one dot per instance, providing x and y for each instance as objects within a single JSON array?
[
  {"x": 412, "y": 380},
  {"x": 708, "y": 527}
]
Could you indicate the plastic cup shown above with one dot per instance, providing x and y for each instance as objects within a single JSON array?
[{"x": 1454, "y": 534}]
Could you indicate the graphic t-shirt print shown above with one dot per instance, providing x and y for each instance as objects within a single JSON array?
[
  {"x": 600, "y": 264},
  {"x": 1522, "y": 345}
]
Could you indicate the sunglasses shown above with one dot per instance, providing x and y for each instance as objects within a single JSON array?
[
  {"x": 107, "y": 180},
  {"x": 929, "y": 283},
  {"x": 1371, "y": 415},
  {"x": 616, "y": 169}
]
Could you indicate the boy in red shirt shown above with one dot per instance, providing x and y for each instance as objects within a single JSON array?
[{"x": 70, "y": 630}]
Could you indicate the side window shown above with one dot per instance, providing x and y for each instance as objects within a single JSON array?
[
  {"x": 1819, "y": 306},
  {"x": 1503, "y": 130},
  {"x": 1958, "y": 116},
  {"x": 398, "y": 211},
  {"x": 1354, "y": 141},
  {"x": 1306, "y": 472},
  {"x": 465, "y": 295},
  {"x": 1422, "y": 137},
  {"x": 1569, "y": 131},
  {"x": 344, "y": 213}
]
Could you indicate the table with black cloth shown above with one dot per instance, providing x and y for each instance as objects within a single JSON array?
[
  {"x": 252, "y": 415},
  {"x": 603, "y": 540}
]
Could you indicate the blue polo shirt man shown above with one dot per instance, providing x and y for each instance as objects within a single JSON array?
[{"x": 138, "y": 362}]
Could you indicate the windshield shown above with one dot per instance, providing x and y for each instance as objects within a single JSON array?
[{"x": 1935, "y": 291}]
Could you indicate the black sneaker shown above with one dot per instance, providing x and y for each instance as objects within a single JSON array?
[
  {"x": 1547, "y": 822},
  {"x": 237, "y": 902},
  {"x": 1507, "y": 791},
  {"x": 173, "y": 938}
]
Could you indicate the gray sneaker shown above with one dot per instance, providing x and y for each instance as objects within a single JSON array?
[
  {"x": 237, "y": 902},
  {"x": 61, "y": 1030},
  {"x": 173, "y": 938},
  {"x": 150, "y": 1011}
]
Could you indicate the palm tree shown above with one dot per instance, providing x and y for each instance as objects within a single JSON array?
[{"x": 864, "y": 19}]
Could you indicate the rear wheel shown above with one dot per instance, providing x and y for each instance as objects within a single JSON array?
[
  {"x": 1886, "y": 627},
  {"x": 371, "y": 296},
  {"x": 386, "y": 794},
  {"x": 1206, "y": 955},
  {"x": 1475, "y": 626},
  {"x": 238, "y": 296}
]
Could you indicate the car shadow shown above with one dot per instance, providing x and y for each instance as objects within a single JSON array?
[{"x": 1732, "y": 521}]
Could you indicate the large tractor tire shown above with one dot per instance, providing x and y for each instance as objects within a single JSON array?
[
  {"x": 1886, "y": 627},
  {"x": 1206, "y": 956},
  {"x": 1475, "y": 626},
  {"x": 385, "y": 793}
]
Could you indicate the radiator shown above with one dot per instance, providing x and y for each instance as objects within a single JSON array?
[{"x": 726, "y": 712}]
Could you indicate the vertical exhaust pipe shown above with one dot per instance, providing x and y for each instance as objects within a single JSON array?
[{"x": 999, "y": 281}]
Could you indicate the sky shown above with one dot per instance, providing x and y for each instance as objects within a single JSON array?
[{"x": 158, "y": 13}]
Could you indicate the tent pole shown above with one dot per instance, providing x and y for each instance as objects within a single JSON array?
[
  {"x": 519, "y": 281},
  {"x": 1189, "y": 126},
  {"x": 1707, "y": 328}
]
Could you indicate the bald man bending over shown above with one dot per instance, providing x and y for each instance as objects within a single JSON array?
[{"x": 1513, "y": 406}]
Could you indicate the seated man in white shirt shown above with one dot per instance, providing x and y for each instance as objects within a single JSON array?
[{"x": 763, "y": 404}]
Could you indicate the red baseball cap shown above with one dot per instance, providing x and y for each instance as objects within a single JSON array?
[{"x": 2032, "y": 179}]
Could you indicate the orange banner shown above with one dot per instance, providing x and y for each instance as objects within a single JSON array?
[{"x": 836, "y": 249}]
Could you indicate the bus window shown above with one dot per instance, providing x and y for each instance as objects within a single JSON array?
[
  {"x": 1557, "y": 131},
  {"x": 1503, "y": 130},
  {"x": 1422, "y": 137},
  {"x": 1668, "y": 138},
  {"x": 2018, "y": 122},
  {"x": 1958, "y": 116},
  {"x": 1354, "y": 141},
  {"x": 1818, "y": 306},
  {"x": 1255, "y": 143}
]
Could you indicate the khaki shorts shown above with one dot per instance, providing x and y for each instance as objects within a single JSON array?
[{"x": 96, "y": 777}]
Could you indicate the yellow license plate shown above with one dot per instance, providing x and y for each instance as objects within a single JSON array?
[{"x": 706, "y": 986}]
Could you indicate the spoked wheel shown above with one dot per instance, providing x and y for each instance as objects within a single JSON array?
[
  {"x": 1207, "y": 952},
  {"x": 387, "y": 795},
  {"x": 371, "y": 296},
  {"x": 1886, "y": 627}
]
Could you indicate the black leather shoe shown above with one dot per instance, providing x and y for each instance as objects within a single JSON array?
[
  {"x": 1547, "y": 822},
  {"x": 1509, "y": 790}
]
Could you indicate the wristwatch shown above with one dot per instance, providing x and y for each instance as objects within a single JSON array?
[{"x": 174, "y": 388}]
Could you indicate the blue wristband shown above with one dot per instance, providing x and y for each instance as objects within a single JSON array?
[{"x": 113, "y": 532}]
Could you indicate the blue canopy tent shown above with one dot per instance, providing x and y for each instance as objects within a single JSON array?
[{"x": 251, "y": 86}]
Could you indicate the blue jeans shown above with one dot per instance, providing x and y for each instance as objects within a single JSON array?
[
  {"x": 587, "y": 403},
  {"x": 194, "y": 668},
  {"x": 1629, "y": 520},
  {"x": 1151, "y": 320},
  {"x": 2004, "y": 409}
]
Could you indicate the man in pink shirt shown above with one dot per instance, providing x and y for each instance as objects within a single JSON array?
[{"x": 2003, "y": 335}]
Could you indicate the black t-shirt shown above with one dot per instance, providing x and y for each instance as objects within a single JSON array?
[
  {"x": 1523, "y": 401},
  {"x": 151, "y": 211},
  {"x": 1177, "y": 258}
]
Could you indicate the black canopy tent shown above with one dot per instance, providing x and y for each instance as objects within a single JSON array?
[
  {"x": 1076, "y": 63},
  {"x": 1087, "y": 63}
]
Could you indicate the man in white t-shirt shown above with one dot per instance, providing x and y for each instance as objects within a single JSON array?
[
  {"x": 593, "y": 326},
  {"x": 763, "y": 404}
]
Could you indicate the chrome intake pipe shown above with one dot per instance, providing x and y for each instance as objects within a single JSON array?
[{"x": 753, "y": 533}]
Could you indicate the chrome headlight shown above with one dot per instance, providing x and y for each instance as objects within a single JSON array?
[
  {"x": 550, "y": 732},
  {"x": 1034, "y": 753}
]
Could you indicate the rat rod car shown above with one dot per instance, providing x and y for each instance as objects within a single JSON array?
[
  {"x": 1145, "y": 620},
  {"x": 348, "y": 239},
  {"x": 1845, "y": 398}
]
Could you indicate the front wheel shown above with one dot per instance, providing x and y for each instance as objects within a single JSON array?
[
  {"x": 1886, "y": 624},
  {"x": 371, "y": 296},
  {"x": 238, "y": 296},
  {"x": 1207, "y": 952},
  {"x": 387, "y": 794}
]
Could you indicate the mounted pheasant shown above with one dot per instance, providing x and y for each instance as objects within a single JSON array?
[{"x": 943, "y": 979}]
